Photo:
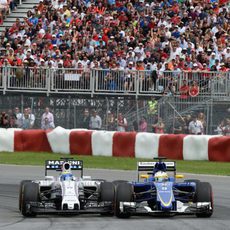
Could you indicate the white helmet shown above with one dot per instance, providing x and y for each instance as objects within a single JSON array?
[{"x": 161, "y": 176}]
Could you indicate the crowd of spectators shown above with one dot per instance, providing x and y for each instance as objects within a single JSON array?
[
  {"x": 190, "y": 124},
  {"x": 224, "y": 127},
  {"x": 129, "y": 35},
  {"x": 16, "y": 119},
  {"x": 92, "y": 120},
  {"x": 6, "y": 6},
  {"x": 194, "y": 124},
  {"x": 26, "y": 119},
  {"x": 164, "y": 35}
]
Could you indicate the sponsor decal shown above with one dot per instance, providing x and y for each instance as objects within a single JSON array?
[{"x": 57, "y": 162}]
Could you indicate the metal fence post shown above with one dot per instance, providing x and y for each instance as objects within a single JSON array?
[
  {"x": 137, "y": 84},
  {"x": 95, "y": 78},
  {"x": 92, "y": 81},
  {"x": 74, "y": 114},
  {"x": 22, "y": 103},
  {"x": 48, "y": 81},
  {"x": 4, "y": 79},
  {"x": 68, "y": 112},
  {"x": 137, "y": 109}
]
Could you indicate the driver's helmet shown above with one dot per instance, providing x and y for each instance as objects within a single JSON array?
[
  {"x": 66, "y": 177},
  {"x": 161, "y": 176}
]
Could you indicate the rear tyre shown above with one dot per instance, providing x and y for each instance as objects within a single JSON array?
[
  {"x": 20, "y": 193},
  {"x": 30, "y": 193},
  {"x": 124, "y": 193},
  {"x": 204, "y": 194},
  {"x": 107, "y": 194}
]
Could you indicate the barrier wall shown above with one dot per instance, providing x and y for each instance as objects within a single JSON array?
[{"x": 122, "y": 144}]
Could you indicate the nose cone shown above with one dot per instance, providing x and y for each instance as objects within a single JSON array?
[{"x": 165, "y": 194}]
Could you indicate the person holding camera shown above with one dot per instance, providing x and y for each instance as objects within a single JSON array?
[{"x": 4, "y": 120}]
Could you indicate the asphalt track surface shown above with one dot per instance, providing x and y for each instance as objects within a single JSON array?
[{"x": 10, "y": 218}]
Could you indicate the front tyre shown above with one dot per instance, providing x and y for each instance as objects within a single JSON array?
[
  {"x": 20, "y": 193},
  {"x": 107, "y": 194},
  {"x": 204, "y": 194},
  {"x": 30, "y": 193},
  {"x": 107, "y": 191},
  {"x": 124, "y": 193}
]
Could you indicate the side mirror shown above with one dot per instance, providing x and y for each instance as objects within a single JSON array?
[
  {"x": 144, "y": 176},
  {"x": 179, "y": 176}
]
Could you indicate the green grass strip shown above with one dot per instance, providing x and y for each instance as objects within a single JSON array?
[{"x": 125, "y": 163}]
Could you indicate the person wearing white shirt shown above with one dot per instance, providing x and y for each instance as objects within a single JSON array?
[
  {"x": 226, "y": 52},
  {"x": 195, "y": 126},
  {"x": 19, "y": 117},
  {"x": 95, "y": 121},
  {"x": 31, "y": 117},
  {"x": 139, "y": 49},
  {"x": 167, "y": 32},
  {"x": 47, "y": 121},
  {"x": 85, "y": 61}
]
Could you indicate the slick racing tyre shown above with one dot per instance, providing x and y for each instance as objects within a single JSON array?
[
  {"x": 30, "y": 193},
  {"x": 124, "y": 193},
  {"x": 107, "y": 191},
  {"x": 204, "y": 194},
  {"x": 116, "y": 182},
  {"x": 107, "y": 194},
  {"x": 20, "y": 193}
]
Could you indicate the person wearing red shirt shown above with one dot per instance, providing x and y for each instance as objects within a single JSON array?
[
  {"x": 67, "y": 63},
  {"x": 123, "y": 17},
  {"x": 159, "y": 126},
  {"x": 194, "y": 89},
  {"x": 152, "y": 23},
  {"x": 176, "y": 20},
  {"x": 184, "y": 90},
  {"x": 15, "y": 26},
  {"x": 76, "y": 20},
  {"x": 181, "y": 63},
  {"x": 223, "y": 68},
  {"x": 100, "y": 9},
  {"x": 175, "y": 8},
  {"x": 48, "y": 34}
]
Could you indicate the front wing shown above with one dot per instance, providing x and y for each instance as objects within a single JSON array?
[
  {"x": 50, "y": 208},
  {"x": 182, "y": 208}
]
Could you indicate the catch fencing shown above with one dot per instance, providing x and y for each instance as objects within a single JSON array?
[{"x": 114, "y": 82}]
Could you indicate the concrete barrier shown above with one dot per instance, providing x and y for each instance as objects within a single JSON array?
[
  {"x": 80, "y": 142},
  {"x": 31, "y": 140},
  {"x": 124, "y": 144},
  {"x": 59, "y": 140},
  {"x": 171, "y": 146},
  {"x": 7, "y": 139},
  {"x": 102, "y": 143},
  {"x": 117, "y": 144},
  {"x": 147, "y": 145}
]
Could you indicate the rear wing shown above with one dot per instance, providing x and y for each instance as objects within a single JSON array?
[
  {"x": 150, "y": 166},
  {"x": 57, "y": 165}
]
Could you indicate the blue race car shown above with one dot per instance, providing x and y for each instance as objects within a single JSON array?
[{"x": 161, "y": 194}]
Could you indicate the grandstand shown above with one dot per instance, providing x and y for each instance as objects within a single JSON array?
[{"x": 117, "y": 56}]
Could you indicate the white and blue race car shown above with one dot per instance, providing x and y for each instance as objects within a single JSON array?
[
  {"x": 66, "y": 193},
  {"x": 160, "y": 194}
]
